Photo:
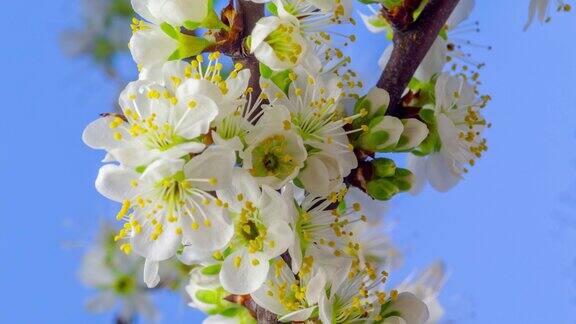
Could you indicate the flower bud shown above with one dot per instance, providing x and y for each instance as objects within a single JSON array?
[
  {"x": 414, "y": 133},
  {"x": 403, "y": 179},
  {"x": 382, "y": 134},
  {"x": 384, "y": 168},
  {"x": 382, "y": 189}
]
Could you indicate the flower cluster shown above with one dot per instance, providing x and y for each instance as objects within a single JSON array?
[{"x": 268, "y": 180}]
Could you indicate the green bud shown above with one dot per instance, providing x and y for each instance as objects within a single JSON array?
[
  {"x": 384, "y": 168},
  {"x": 403, "y": 179},
  {"x": 382, "y": 189}
]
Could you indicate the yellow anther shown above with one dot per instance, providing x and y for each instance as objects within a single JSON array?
[
  {"x": 213, "y": 181},
  {"x": 126, "y": 248},
  {"x": 255, "y": 262},
  {"x": 357, "y": 207},
  {"x": 192, "y": 104},
  {"x": 124, "y": 210},
  {"x": 178, "y": 230},
  {"x": 195, "y": 226},
  {"x": 237, "y": 261},
  {"x": 118, "y": 136},
  {"x": 207, "y": 223}
]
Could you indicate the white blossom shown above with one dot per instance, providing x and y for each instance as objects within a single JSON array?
[
  {"x": 261, "y": 232},
  {"x": 459, "y": 125}
]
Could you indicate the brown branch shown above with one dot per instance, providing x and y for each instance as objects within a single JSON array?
[
  {"x": 251, "y": 12},
  {"x": 410, "y": 47}
]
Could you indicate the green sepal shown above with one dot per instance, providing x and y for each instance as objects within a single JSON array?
[
  {"x": 208, "y": 296},
  {"x": 169, "y": 30},
  {"x": 212, "y": 21},
  {"x": 298, "y": 183},
  {"x": 429, "y": 145},
  {"x": 191, "y": 25},
  {"x": 272, "y": 8},
  {"x": 428, "y": 116},
  {"x": 189, "y": 46},
  {"x": 282, "y": 80},
  {"x": 265, "y": 71},
  {"x": 211, "y": 270},
  {"x": 230, "y": 311}
]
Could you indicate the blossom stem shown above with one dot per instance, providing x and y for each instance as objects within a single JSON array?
[{"x": 410, "y": 47}]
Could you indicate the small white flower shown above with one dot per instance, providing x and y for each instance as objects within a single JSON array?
[
  {"x": 116, "y": 277},
  {"x": 460, "y": 124},
  {"x": 174, "y": 12},
  {"x": 275, "y": 152},
  {"x": 426, "y": 286},
  {"x": 167, "y": 117},
  {"x": 406, "y": 308},
  {"x": 316, "y": 117},
  {"x": 159, "y": 39},
  {"x": 169, "y": 204},
  {"x": 261, "y": 233},
  {"x": 277, "y": 42},
  {"x": 292, "y": 300},
  {"x": 150, "y": 46}
]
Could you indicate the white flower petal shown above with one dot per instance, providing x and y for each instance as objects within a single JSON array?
[
  {"x": 151, "y": 277},
  {"x": 209, "y": 238},
  {"x": 98, "y": 134},
  {"x": 300, "y": 315},
  {"x": 160, "y": 249},
  {"x": 440, "y": 172},
  {"x": 246, "y": 277},
  {"x": 281, "y": 234},
  {"x": 315, "y": 288},
  {"x": 325, "y": 309},
  {"x": 412, "y": 309},
  {"x": 114, "y": 182},
  {"x": 214, "y": 163}
]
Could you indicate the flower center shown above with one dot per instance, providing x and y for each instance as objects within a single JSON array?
[
  {"x": 282, "y": 42},
  {"x": 250, "y": 231},
  {"x": 271, "y": 158},
  {"x": 124, "y": 285}
]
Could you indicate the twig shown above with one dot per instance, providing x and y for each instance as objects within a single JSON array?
[{"x": 411, "y": 46}]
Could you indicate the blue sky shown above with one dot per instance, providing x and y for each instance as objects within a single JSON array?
[{"x": 503, "y": 232}]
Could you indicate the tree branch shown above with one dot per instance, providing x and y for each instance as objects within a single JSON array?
[
  {"x": 251, "y": 12},
  {"x": 411, "y": 46}
]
